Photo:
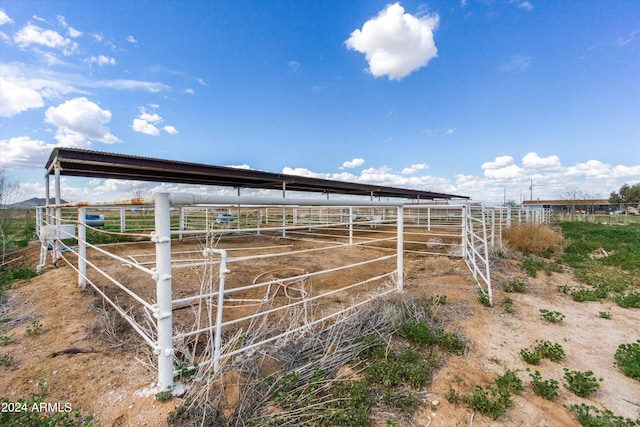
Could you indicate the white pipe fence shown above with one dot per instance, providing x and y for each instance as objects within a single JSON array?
[{"x": 384, "y": 230}]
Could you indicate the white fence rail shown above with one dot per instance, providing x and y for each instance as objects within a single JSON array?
[{"x": 203, "y": 240}]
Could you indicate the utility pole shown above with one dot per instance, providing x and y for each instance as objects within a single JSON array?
[{"x": 531, "y": 189}]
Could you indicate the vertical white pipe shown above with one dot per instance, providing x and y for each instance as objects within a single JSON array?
[
  {"x": 486, "y": 257},
  {"x": 284, "y": 221},
  {"x": 238, "y": 226},
  {"x": 400, "y": 250},
  {"x": 82, "y": 247},
  {"x": 163, "y": 313},
  {"x": 58, "y": 220},
  {"x": 428, "y": 219},
  {"x": 123, "y": 220},
  {"x": 259, "y": 212},
  {"x": 463, "y": 246},
  {"x": 493, "y": 227},
  {"x": 217, "y": 341},
  {"x": 350, "y": 225},
  {"x": 181, "y": 221}
]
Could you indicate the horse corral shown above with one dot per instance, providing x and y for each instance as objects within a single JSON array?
[{"x": 208, "y": 270}]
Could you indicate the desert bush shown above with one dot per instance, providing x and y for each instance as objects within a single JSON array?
[
  {"x": 590, "y": 416},
  {"x": 532, "y": 238},
  {"x": 627, "y": 358},
  {"x": 581, "y": 383}
]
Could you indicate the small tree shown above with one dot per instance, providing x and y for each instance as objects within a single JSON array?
[
  {"x": 626, "y": 194},
  {"x": 577, "y": 197}
]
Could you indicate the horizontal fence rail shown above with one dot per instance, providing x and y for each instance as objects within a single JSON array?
[{"x": 188, "y": 271}]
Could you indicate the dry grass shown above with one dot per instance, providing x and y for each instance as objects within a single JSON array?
[{"x": 532, "y": 238}]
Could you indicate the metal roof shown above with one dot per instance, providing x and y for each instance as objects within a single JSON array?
[{"x": 94, "y": 164}]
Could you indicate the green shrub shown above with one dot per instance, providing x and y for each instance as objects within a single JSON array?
[
  {"x": 630, "y": 300},
  {"x": 590, "y": 416},
  {"x": 514, "y": 285},
  {"x": 531, "y": 357},
  {"x": 551, "y": 351},
  {"x": 484, "y": 299},
  {"x": 489, "y": 401},
  {"x": 547, "y": 389},
  {"x": 627, "y": 358},
  {"x": 399, "y": 400},
  {"x": 581, "y": 383},
  {"x": 551, "y": 316},
  {"x": 509, "y": 382},
  {"x": 418, "y": 333},
  {"x": 450, "y": 343}
]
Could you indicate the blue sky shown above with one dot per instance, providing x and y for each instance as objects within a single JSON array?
[{"x": 476, "y": 98}]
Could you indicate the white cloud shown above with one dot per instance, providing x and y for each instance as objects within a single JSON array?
[
  {"x": 499, "y": 162},
  {"x": 396, "y": 43},
  {"x": 621, "y": 171},
  {"x": 350, "y": 164},
  {"x": 533, "y": 161},
  {"x": 523, "y": 4},
  {"x": 377, "y": 175},
  {"x": 153, "y": 118},
  {"x": 127, "y": 85},
  {"x": 171, "y": 130},
  {"x": 382, "y": 175},
  {"x": 132, "y": 40},
  {"x": 25, "y": 88},
  {"x": 414, "y": 168},
  {"x": 506, "y": 172},
  {"x": 143, "y": 126},
  {"x": 102, "y": 60},
  {"x": 439, "y": 132},
  {"x": 632, "y": 36},
  {"x": 591, "y": 168},
  {"x": 16, "y": 97},
  {"x": 4, "y": 18},
  {"x": 24, "y": 153},
  {"x": 147, "y": 123},
  {"x": 242, "y": 166},
  {"x": 73, "y": 33},
  {"x": 78, "y": 121},
  {"x": 31, "y": 34},
  {"x": 517, "y": 64}
]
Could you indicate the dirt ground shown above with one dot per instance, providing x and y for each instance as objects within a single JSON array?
[{"x": 80, "y": 368}]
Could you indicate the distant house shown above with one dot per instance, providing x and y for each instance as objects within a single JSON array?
[{"x": 589, "y": 206}]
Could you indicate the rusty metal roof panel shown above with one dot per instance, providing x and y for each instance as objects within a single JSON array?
[{"x": 95, "y": 164}]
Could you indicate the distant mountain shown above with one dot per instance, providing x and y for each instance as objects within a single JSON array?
[{"x": 32, "y": 203}]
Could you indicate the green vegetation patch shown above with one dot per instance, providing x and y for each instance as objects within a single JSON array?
[
  {"x": 35, "y": 410},
  {"x": 590, "y": 416},
  {"x": 605, "y": 257},
  {"x": 491, "y": 400},
  {"x": 627, "y": 358}
]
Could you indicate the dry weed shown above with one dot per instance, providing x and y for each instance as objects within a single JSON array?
[{"x": 532, "y": 238}]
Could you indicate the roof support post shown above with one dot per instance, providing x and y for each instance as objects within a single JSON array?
[
  {"x": 58, "y": 219},
  {"x": 82, "y": 247},
  {"x": 400, "y": 250},
  {"x": 163, "y": 310}
]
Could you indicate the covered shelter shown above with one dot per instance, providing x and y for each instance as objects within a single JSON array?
[{"x": 95, "y": 164}]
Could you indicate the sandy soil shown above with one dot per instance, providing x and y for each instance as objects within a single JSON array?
[{"x": 80, "y": 368}]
